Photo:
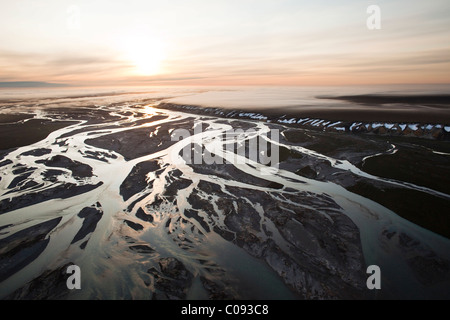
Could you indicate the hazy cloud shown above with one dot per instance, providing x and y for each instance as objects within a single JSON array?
[{"x": 220, "y": 40}]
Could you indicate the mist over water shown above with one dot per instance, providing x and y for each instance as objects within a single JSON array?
[{"x": 109, "y": 192}]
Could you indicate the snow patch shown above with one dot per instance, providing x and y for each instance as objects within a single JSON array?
[
  {"x": 376, "y": 125},
  {"x": 290, "y": 121},
  {"x": 333, "y": 124},
  {"x": 316, "y": 123},
  {"x": 355, "y": 125}
]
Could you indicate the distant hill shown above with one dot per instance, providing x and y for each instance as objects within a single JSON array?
[{"x": 29, "y": 84}]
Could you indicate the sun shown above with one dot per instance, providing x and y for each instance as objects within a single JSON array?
[{"x": 145, "y": 53}]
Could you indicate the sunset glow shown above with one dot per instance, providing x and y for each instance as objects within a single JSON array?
[
  {"x": 145, "y": 53},
  {"x": 224, "y": 42}
]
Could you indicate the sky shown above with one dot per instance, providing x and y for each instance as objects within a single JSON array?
[{"x": 224, "y": 42}]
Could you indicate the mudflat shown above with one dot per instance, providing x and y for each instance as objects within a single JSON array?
[{"x": 118, "y": 199}]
